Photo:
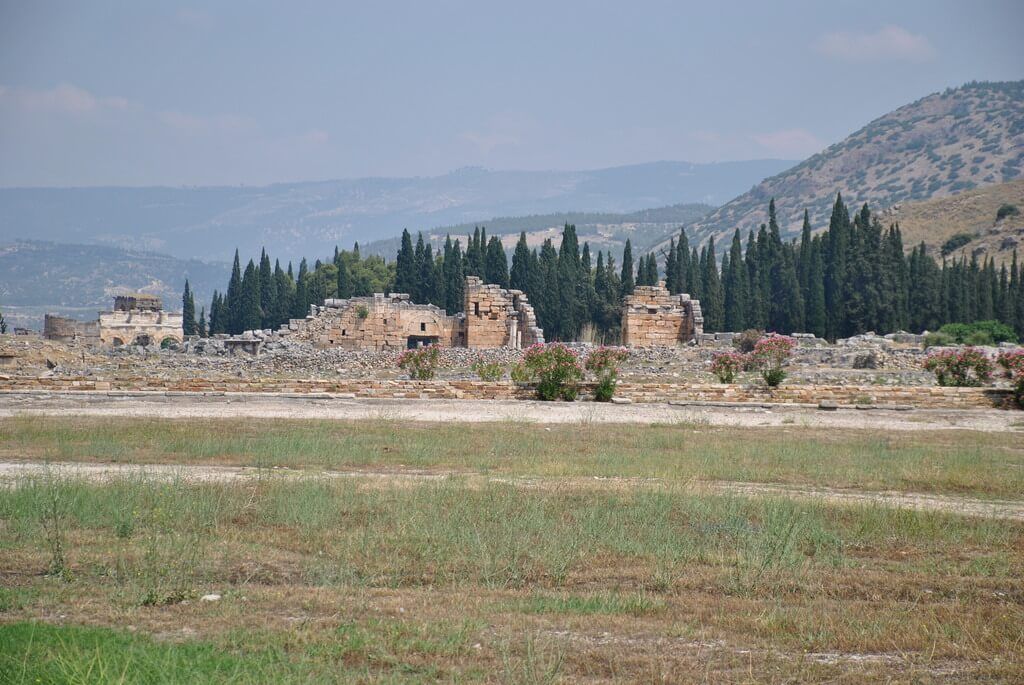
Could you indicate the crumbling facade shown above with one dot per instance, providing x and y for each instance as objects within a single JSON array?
[
  {"x": 137, "y": 319},
  {"x": 493, "y": 317},
  {"x": 653, "y": 317},
  {"x": 496, "y": 317}
]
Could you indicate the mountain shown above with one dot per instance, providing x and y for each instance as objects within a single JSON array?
[
  {"x": 942, "y": 144},
  {"x": 310, "y": 218},
  {"x": 78, "y": 280},
  {"x": 983, "y": 222},
  {"x": 603, "y": 230}
]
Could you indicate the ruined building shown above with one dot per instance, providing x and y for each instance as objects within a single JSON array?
[
  {"x": 137, "y": 319},
  {"x": 493, "y": 317},
  {"x": 652, "y": 317}
]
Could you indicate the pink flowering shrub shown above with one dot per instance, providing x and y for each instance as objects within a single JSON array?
[
  {"x": 1013, "y": 366},
  {"x": 556, "y": 370},
  {"x": 420, "y": 363},
  {"x": 770, "y": 354},
  {"x": 604, "y": 364},
  {"x": 965, "y": 367},
  {"x": 725, "y": 365}
]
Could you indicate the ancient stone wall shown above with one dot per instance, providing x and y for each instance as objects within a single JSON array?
[
  {"x": 140, "y": 327},
  {"x": 496, "y": 317},
  {"x": 861, "y": 397},
  {"x": 122, "y": 326},
  {"x": 381, "y": 322},
  {"x": 652, "y": 317},
  {"x": 63, "y": 329}
]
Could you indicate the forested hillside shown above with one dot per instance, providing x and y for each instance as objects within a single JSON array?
[{"x": 937, "y": 146}]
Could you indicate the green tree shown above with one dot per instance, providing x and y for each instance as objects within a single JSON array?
[
  {"x": 405, "y": 266},
  {"x": 250, "y": 316},
  {"x": 626, "y": 278},
  {"x": 519, "y": 278},
  {"x": 188, "y": 311},
  {"x": 233, "y": 304},
  {"x": 268, "y": 291},
  {"x": 735, "y": 286},
  {"x": 201, "y": 329},
  {"x": 496, "y": 265}
]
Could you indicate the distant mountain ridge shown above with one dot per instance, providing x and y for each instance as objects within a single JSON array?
[
  {"x": 937, "y": 146},
  {"x": 603, "y": 230},
  {"x": 309, "y": 218}
]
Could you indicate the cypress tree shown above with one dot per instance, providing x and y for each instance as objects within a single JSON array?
[
  {"x": 188, "y": 311},
  {"x": 233, "y": 304},
  {"x": 454, "y": 292},
  {"x": 405, "y": 266},
  {"x": 268, "y": 290},
  {"x": 571, "y": 306},
  {"x": 427, "y": 289},
  {"x": 250, "y": 299},
  {"x": 496, "y": 264},
  {"x": 519, "y": 278},
  {"x": 670, "y": 266},
  {"x": 814, "y": 307},
  {"x": 300, "y": 303},
  {"x": 682, "y": 277},
  {"x": 626, "y": 278},
  {"x": 343, "y": 287},
  {"x": 735, "y": 286},
  {"x": 712, "y": 300},
  {"x": 548, "y": 295},
  {"x": 201, "y": 329}
]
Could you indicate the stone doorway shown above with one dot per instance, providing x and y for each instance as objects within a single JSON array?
[{"x": 415, "y": 341}]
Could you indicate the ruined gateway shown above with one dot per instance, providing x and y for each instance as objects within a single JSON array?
[
  {"x": 493, "y": 317},
  {"x": 137, "y": 319}
]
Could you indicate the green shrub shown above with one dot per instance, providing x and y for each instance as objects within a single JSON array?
[
  {"x": 745, "y": 341},
  {"x": 421, "y": 363},
  {"x": 556, "y": 369},
  {"x": 603, "y": 363},
  {"x": 488, "y": 371},
  {"x": 938, "y": 339},
  {"x": 956, "y": 242},
  {"x": 1006, "y": 210},
  {"x": 991, "y": 332}
]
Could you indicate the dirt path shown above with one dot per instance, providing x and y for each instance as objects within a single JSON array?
[
  {"x": 13, "y": 472},
  {"x": 253, "y": 405}
]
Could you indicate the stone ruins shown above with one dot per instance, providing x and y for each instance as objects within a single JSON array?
[
  {"x": 652, "y": 317},
  {"x": 137, "y": 319},
  {"x": 494, "y": 317}
]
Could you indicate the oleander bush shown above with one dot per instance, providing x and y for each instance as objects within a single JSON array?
[
  {"x": 725, "y": 365},
  {"x": 420, "y": 363},
  {"x": 603, "y": 363},
  {"x": 967, "y": 367},
  {"x": 555, "y": 369},
  {"x": 770, "y": 356}
]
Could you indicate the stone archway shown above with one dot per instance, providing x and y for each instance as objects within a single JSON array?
[
  {"x": 143, "y": 340},
  {"x": 117, "y": 342}
]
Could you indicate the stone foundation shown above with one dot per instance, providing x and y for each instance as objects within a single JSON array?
[{"x": 841, "y": 396}]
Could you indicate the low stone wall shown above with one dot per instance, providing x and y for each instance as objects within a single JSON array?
[{"x": 834, "y": 395}]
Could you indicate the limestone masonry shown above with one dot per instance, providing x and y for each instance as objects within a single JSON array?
[
  {"x": 137, "y": 319},
  {"x": 494, "y": 317},
  {"x": 652, "y": 317}
]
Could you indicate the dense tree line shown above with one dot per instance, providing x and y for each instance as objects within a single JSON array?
[{"x": 850, "y": 278}]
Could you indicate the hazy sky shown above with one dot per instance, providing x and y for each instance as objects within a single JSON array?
[{"x": 139, "y": 93}]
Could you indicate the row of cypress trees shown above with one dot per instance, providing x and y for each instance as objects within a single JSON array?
[{"x": 851, "y": 278}]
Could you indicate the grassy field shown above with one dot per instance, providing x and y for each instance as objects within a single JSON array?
[
  {"x": 953, "y": 461},
  {"x": 401, "y": 581}
]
